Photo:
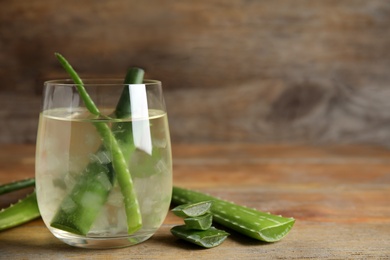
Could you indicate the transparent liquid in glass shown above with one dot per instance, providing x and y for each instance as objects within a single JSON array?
[{"x": 68, "y": 141}]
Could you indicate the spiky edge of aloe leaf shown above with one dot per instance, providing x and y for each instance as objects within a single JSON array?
[
  {"x": 250, "y": 222},
  {"x": 19, "y": 213}
]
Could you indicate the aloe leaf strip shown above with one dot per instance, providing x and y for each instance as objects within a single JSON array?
[
  {"x": 250, "y": 222},
  {"x": 79, "y": 85},
  {"x": 21, "y": 212},
  {"x": 16, "y": 185},
  {"x": 122, "y": 173}
]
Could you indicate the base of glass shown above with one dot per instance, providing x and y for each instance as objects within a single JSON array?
[{"x": 101, "y": 242}]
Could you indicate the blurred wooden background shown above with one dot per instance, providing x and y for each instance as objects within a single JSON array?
[{"x": 243, "y": 70}]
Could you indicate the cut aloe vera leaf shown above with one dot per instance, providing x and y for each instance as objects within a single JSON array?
[
  {"x": 247, "y": 221},
  {"x": 21, "y": 212},
  {"x": 16, "y": 185},
  {"x": 193, "y": 209},
  {"x": 80, "y": 208},
  {"x": 209, "y": 238},
  {"x": 203, "y": 222}
]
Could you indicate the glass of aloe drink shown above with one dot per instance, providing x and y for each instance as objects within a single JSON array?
[{"x": 103, "y": 161}]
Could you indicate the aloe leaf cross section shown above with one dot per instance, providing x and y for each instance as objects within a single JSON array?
[{"x": 82, "y": 215}]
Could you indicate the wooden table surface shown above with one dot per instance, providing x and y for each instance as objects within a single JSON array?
[{"x": 339, "y": 196}]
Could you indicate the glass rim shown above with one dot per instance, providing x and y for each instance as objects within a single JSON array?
[{"x": 99, "y": 82}]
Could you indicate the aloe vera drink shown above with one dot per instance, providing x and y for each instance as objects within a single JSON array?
[{"x": 68, "y": 144}]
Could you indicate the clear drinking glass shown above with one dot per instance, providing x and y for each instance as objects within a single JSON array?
[{"x": 103, "y": 180}]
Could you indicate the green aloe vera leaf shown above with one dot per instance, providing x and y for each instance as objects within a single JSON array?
[
  {"x": 133, "y": 76},
  {"x": 79, "y": 209},
  {"x": 209, "y": 238},
  {"x": 79, "y": 85},
  {"x": 115, "y": 143},
  {"x": 250, "y": 222},
  {"x": 192, "y": 209},
  {"x": 203, "y": 222},
  {"x": 21, "y": 212},
  {"x": 123, "y": 131},
  {"x": 16, "y": 185}
]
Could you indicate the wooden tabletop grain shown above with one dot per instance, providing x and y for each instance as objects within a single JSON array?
[{"x": 339, "y": 196}]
